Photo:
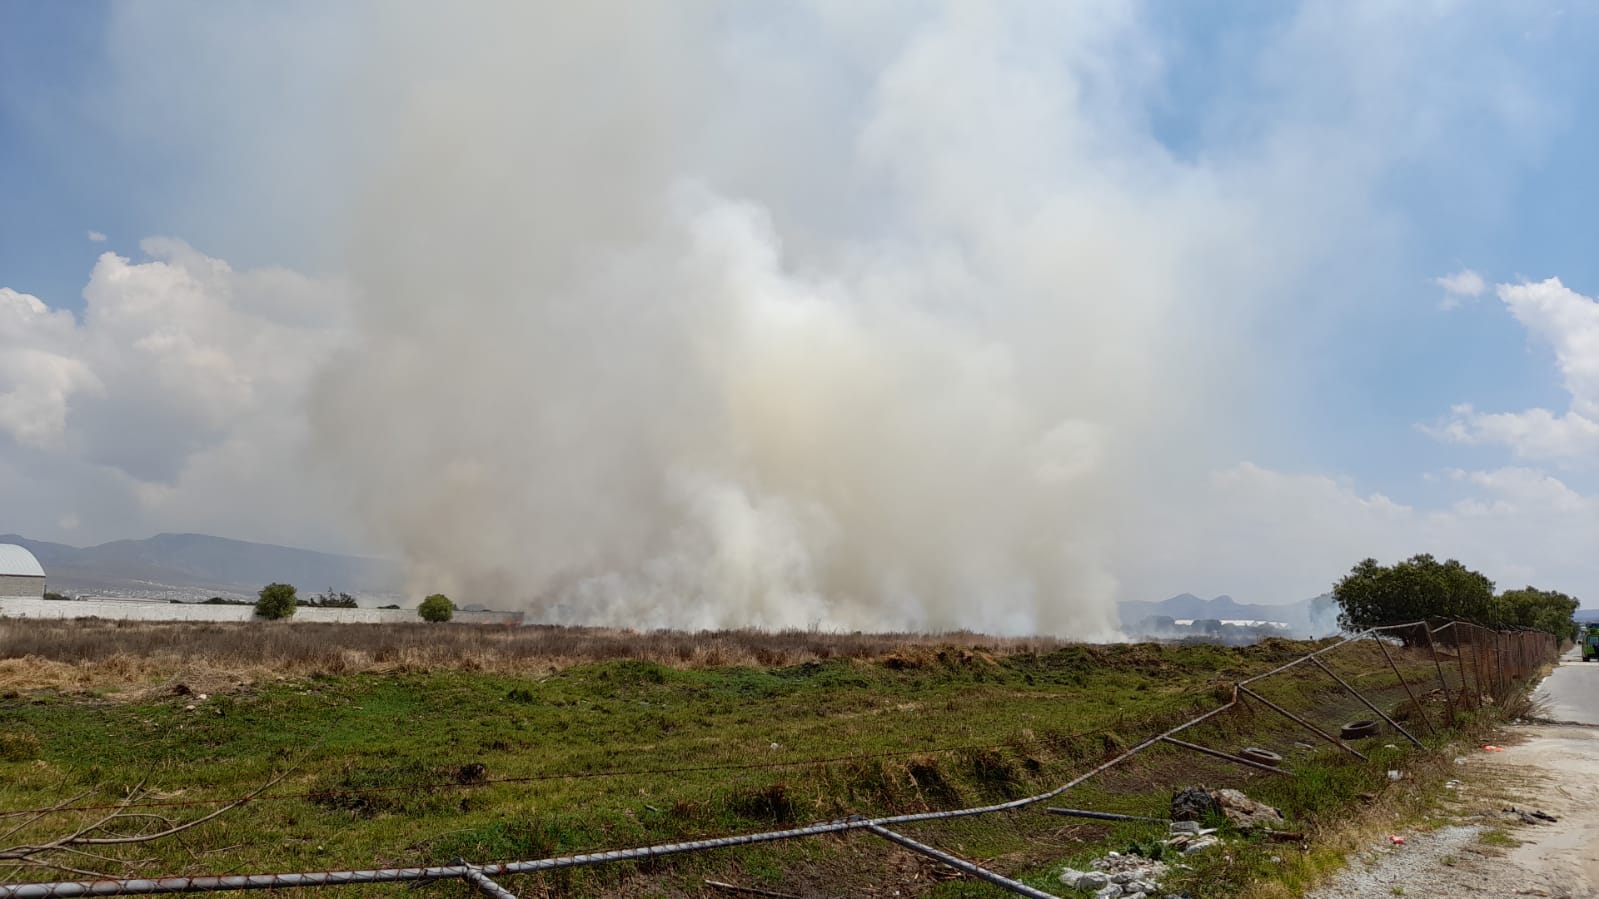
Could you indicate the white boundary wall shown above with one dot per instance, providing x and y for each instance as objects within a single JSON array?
[{"x": 29, "y": 607}]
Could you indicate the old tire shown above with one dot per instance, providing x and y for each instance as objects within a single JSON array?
[
  {"x": 1261, "y": 756},
  {"x": 1358, "y": 730}
]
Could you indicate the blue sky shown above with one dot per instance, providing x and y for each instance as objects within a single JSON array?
[{"x": 1295, "y": 178}]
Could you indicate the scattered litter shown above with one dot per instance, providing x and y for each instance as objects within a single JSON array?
[
  {"x": 202, "y": 697},
  {"x": 1460, "y": 760},
  {"x": 1534, "y": 817},
  {"x": 1395, "y": 775},
  {"x": 1389, "y": 746},
  {"x": 1396, "y": 839},
  {"x": 1192, "y": 804},
  {"x": 748, "y": 891},
  {"x": 1452, "y": 785},
  {"x": 1178, "y": 827},
  {"x": 1200, "y": 845},
  {"x": 1492, "y": 748},
  {"x": 189, "y": 707}
]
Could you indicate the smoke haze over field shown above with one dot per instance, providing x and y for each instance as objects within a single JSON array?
[
  {"x": 628, "y": 367},
  {"x": 878, "y": 316}
]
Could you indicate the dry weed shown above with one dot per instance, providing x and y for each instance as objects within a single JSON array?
[{"x": 98, "y": 655}]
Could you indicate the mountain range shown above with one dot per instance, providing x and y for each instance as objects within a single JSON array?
[
  {"x": 196, "y": 566},
  {"x": 1316, "y": 616}
]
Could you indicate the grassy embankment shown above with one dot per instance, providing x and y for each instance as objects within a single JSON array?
[{"x": 586, "y": 755}]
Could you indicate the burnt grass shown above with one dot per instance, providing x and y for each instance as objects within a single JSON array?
[{"x": 431, "y": 743}]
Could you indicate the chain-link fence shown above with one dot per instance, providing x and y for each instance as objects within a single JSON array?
[{"x": 1270, "y": 735}]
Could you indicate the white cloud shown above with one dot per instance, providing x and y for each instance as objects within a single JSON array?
[
  {"x": 181, "y": 383},
  {"x": 1568, "y": 323},
  {"x": 96, "y": 237},
  {"x": 1266, "y": 535},
  {"x": 1460, "y": 285}
]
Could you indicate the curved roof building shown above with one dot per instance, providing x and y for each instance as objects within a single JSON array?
[{"x": 20, "y": 573}]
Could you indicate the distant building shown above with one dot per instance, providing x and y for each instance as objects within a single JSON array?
[{"x": 20, "y": 573}]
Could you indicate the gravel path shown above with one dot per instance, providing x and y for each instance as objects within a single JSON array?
[{"x": 1554, "y": 769}]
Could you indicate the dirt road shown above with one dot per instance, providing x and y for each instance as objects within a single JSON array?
[{"x": 1483, "y": 851}]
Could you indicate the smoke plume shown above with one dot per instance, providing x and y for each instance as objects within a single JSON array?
[{"x": 838, "y": 318}]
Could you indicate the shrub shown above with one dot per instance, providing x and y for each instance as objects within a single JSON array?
[
  {"x": 18, "y": 747},
  {"x": 436, "y": 608},
  {"x": 276, "y": 601},
  {"x": 406, "y": 788}
]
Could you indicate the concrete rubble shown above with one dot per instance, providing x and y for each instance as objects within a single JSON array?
[
  {"x": 1118, "y": 876},
  {"x": 1246, "y": 813}
]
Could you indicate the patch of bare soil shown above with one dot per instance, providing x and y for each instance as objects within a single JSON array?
[{"x": 1489, "y": 851}]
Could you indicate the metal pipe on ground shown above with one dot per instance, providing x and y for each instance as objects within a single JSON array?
[
  {"x": 1217, "y": 753},
  {"x": 1102, "y": 816},
  {"x": 960, "y": 864},
  {"x": 486, "y": 886}
]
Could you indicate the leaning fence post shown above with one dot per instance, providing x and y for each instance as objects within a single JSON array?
[
  {"x": 1499, "y": 669},
  {"x": 1406, "y": 684},
  {"x": 1449, "y": 704},
  {"x": 1469, "y": 699},
  {"x": 1358, "y": 695},
  {"x": 1313, "y": 728}
]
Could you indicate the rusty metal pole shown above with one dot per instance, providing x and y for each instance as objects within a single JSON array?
[
  {"x": 1479, "y": 667},
  {"x": 1406, "y": 684},
  {"x": 1366, "y": 702},
  {"x": 1449, "y": 703},
  {"x": 1499, "y": 669},
  {"x": 1468, "y": 697}
]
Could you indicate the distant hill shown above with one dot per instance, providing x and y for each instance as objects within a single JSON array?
[
  {"x": 182, "y": 566},
  {"x": 1308, "y": 617}
]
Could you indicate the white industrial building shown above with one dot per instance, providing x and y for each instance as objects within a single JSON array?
[{"x": 21, "y": 575}]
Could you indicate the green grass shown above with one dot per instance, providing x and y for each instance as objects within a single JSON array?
[{"x": 389, "y": 769}]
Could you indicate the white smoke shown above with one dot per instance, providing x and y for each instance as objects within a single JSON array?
[
  {"x": 617, "y": 363},
  {"x": 879, "y": 315}
]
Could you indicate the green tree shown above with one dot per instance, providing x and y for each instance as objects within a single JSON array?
[
  {"x": 436, "y": 608},
  {"x": 1419, "y": 587},
  {"x": 276, "y": 601},
  {"x": 331, "y": 600},
  {"x": 1541, "y": 610}
]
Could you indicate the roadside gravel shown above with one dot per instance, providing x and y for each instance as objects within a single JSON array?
[{"x": 1554, "y": 769}]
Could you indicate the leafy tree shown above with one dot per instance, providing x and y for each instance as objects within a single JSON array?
[
  {"x": 276, "y": 601},
  {"x": 436, "y": 608},
  {"x": 1541, "y": 610},
  {"x": 331, "y": 600},
  {"x": 1419, "y": 587}
]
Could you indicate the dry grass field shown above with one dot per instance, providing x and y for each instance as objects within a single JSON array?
[
  {"x": 93, "y": 654},
  {"x": 416, "y": 744}
]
